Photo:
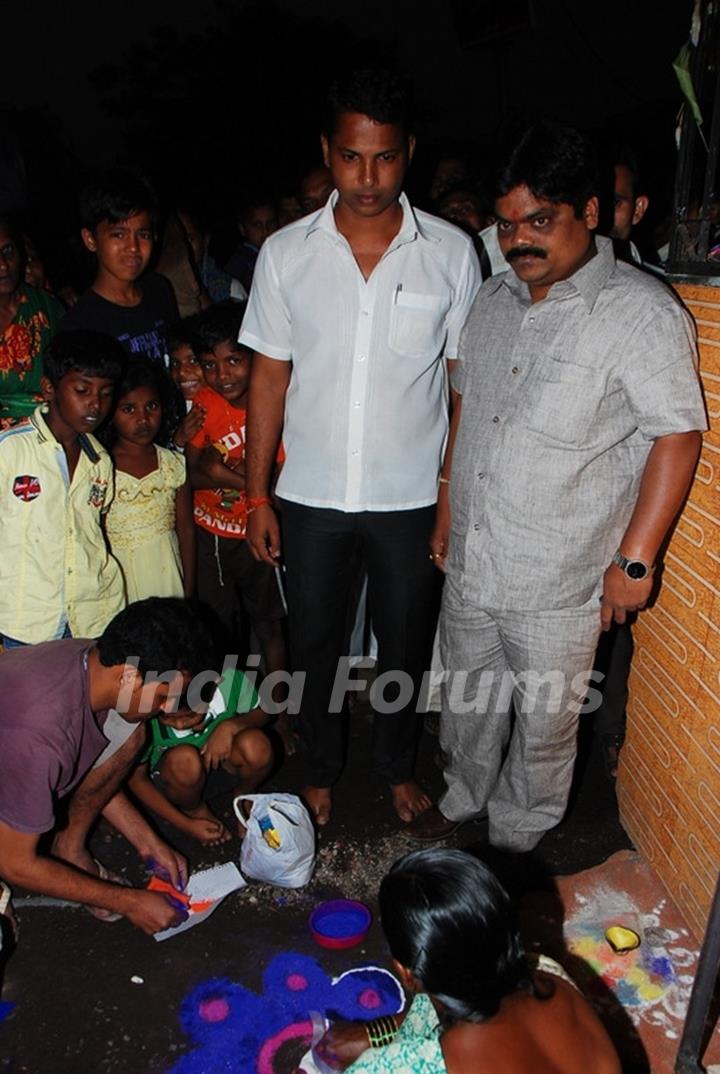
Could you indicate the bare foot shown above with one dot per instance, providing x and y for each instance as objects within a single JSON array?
[
  {"x": 205, "y": 826},
  {"x": 79, "y": 856},
  {"x": 409, "y": 800},
  {"x": 319, "y": 802}
]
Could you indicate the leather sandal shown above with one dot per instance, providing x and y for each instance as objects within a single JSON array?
[{"x": 431, "y": 826}]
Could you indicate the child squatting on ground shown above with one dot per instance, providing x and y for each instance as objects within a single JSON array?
[{"x": 187, "y": 749}]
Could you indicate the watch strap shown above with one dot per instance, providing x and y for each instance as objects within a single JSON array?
[{"x": 624, "y": 562}]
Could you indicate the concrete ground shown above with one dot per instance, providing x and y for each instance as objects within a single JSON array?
[{"x": 95, "y": 998}]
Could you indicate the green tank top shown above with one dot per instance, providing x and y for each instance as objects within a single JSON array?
[{"x": 234, "y": 694}]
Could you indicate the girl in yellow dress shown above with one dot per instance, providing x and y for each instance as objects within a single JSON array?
[{"x": 149, "y": 525}]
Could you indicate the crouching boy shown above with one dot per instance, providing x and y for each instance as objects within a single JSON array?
[{"x": 186, "y": 749}]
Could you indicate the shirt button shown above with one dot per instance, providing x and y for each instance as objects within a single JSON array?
[
  {"x": 514, "y": 369},
  {"x": 361, "y": 358},
  {"x": 531, "y": 320},
  {"x": 365, "y": 313},
  {"x": 356, "y": 452},
  {"x": 496, "y": 419},
  {"x": 356, "y": 405},
  {"x": 476, "y": 526},
  {"x": 481, "y": 475}
]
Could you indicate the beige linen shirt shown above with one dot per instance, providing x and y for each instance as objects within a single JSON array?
[{"x": 562, "y": 400}]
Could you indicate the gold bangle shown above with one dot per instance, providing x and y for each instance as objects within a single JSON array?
[{"x": 381, "y": 1031}]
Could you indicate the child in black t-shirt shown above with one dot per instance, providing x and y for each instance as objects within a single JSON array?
[{"x": 118, "y": 226}]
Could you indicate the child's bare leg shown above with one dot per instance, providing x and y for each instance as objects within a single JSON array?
[
  {"x": 273, "y": 649},
  {"x": 275, "y": 659},
  {"x": 183, "y": 774},
  {"x": 251, "y": 759}
]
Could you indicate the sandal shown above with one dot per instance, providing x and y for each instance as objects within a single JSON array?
[
  {"x": 6, "y": 908},
  {"x": 99, "y": 912},
  {"x": 431, "y": 826}
]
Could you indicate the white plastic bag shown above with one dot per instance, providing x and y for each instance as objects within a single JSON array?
[{"x": 279, "y": 844}]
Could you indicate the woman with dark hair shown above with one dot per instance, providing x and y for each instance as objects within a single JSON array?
[
  {"x": 28, "y": 319},
  {"x": 478, "y": 1005}
]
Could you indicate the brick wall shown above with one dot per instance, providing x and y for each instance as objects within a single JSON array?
[{"x": 669, "y": 778}]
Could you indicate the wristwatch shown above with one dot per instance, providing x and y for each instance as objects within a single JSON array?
[{"x": 636, "y": 569}]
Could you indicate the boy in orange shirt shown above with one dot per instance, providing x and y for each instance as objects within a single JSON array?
[{"x": 229, "y": 579}]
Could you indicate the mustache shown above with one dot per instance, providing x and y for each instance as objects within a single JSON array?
[{"x": 525, "y": 251}]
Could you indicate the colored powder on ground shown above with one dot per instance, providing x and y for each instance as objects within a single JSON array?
[
  {"x": 341, "y": 924},
  {"x": 6, "y": 1009}
]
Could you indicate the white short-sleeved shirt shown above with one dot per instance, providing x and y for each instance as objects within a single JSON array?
[{"x": 366, "y": 409}]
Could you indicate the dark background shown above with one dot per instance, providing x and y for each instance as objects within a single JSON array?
[{"x": 214, "y": 99}]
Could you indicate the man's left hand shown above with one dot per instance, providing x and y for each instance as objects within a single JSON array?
[
  {"x": 168, "y": 864},
  {"x": 622, "y": 595}
]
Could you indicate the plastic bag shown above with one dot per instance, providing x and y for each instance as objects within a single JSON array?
[{"x": 279, "y": 844}]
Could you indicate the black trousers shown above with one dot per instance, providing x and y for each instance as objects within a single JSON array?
[{"x": 321, "y": 549}]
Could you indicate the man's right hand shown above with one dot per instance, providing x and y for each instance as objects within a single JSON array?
[
  {"x": 150, "y": 911},
  {"x": 263, "y": 535}
]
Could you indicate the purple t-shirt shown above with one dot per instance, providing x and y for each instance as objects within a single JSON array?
[{"x": 49, "y": 735}]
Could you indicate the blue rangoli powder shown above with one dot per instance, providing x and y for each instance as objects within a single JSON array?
[{"x": 339, "y": 924}]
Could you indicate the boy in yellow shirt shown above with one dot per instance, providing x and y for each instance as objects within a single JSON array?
[{"x": 57, "y": 578}]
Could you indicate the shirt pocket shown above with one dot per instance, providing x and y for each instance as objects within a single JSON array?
[
  {"x": 417, "y": 324},
  {"x": 564, "y": 401}
]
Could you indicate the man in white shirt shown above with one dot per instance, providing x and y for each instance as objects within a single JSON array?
[{"x": 354, "y": 314}]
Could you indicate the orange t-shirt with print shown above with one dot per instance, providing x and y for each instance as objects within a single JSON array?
[{"x": 221, "y": 511}]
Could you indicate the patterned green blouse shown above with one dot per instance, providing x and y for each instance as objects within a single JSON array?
[{"x": 416, "y": 1048}]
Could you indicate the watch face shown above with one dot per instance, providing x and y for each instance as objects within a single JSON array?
[{"x": 636, "y": 570}]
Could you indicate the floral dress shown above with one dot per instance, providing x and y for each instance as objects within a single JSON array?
[{"x": 21, "y": 350}]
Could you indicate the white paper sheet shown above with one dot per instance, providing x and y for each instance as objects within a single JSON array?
[{"x": 213, "y": 884}]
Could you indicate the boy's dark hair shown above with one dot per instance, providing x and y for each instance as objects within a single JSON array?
[
  {"x": 218, "y": 324},
  {"x": 162, "y": 633},
  {"x": 625, "y": 155},
  {"x": 181, "y": 333},
  {"x": 256, "y": 199},
  {"x": 116, "y": 196},
  {"x": 555, "y": 163},
  {"x": 378, "y": 92},
  {"x": 143, "y": 373},
  {"x": 448, "y": 920},
  {"x": 80, "y": 351}
]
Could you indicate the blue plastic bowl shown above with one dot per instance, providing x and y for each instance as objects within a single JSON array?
[{"x": 340, "y": 923}]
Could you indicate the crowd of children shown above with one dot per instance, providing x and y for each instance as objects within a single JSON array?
[{"x": 122, "y": 475}]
